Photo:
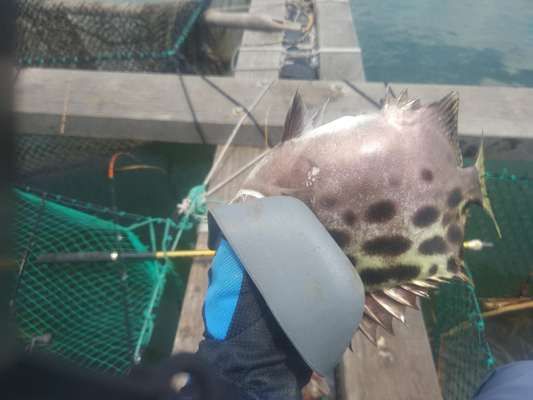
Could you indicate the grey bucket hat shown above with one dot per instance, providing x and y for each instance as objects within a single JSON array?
[{"x": 306, "y": 280}]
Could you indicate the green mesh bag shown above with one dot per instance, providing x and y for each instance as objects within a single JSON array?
[
  {"x": 463, "y": 346},
  {"x": 92, "y": 314}
]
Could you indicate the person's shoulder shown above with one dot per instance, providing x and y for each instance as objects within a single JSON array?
[{"x": 508, "y": 382}]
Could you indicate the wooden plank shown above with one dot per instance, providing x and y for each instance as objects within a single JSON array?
[
  {"x": 191, "y": 325},
  {"x": 398, "y": 369},
  {"x": 153, "y": 107},
  {"x": 191, "y": 328},
  {"x": 253, "y": 62},
  {"x": 340, "y": 53}
]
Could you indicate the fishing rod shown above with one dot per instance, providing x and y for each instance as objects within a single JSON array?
[
  {"x": 113, "y": 256},
  {"x": 97, "y": 256}
]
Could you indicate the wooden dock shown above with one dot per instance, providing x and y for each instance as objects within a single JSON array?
[{"x": 153, "y": 107}]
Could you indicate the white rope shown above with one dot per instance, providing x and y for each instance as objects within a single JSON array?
[
  {"x": 236, "y": 174},
  {"x": 235, "y": 130},
  {"x": 244, "y": 194}
]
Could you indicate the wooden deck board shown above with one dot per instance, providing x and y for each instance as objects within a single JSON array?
[
  {"x": 190, "y": 328},
  {"x": 401, "y": 368},
  {"x": 254, "y": 64},
  {"x": 340, "y": 54},
  {"x": 152, "y": 107}
]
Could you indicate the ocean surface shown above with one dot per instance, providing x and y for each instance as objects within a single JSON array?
[{"x": 469, "y": 42}]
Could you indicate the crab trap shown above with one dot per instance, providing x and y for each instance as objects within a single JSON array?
[{"x": 98, "y": 315}]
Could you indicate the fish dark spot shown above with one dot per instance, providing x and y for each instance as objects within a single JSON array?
[
  {"x": 341, "y": 237},
  {"x": 452, "y": 265},
  {"x": 400, "y": 273},
  {"x": 425, "y": 216},
  {"x": 433, "y": 270},
  {"x": 353, "y": 260},
  {"x": 435, "y": 245},
  {"x": 427, "y": 175},
  {"x": 454, "y": 234},
  {"x": 387, "y": 245},
  {"x": 349, "y": 217},
  {"x": 395, "y": 181},
  {"x": 327, "y": 201},
  {"x": 380, "y": 212},
  {"x": 455, "y": 198}
]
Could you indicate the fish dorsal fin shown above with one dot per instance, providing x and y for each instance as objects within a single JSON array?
[
  {"x": 402, "y": 101},
  {"x": 403, "y": 98},
  {"x": 295, "y": 119},
  {"x": 390, "y": 97},
  {"x": 300, "y": 119},
  {"x": 445, "y": 113},
  {"x": 317, "y": 116}
]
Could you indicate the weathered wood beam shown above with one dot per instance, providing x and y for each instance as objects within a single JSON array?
[
  {"x": 191, "y": 327},
  {"x": 255, "y": 62},
  {"x": 401, "y": 367},
  {"x": 249, "y": 21},
  {"x": 153, "y": 107},
  {"x": 340, "y": 53}
]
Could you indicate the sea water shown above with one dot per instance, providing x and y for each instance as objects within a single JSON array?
[{"x": 467, "y": 42}]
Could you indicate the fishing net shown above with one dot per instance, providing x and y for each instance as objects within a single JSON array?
[
  {"x": 112, "y": 35},
  {"x": 466, "y": 346},
  {"x": 44, "y": 154},
  {"x": 96, "y": 314},
  {"x": 128, "y": 36}
]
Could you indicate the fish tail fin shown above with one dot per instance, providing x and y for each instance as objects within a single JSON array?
[{"x": 485, "y": 200}]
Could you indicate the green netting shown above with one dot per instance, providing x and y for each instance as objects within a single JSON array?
[
  {"x": 83, "y": 312},
  {"x": 103, "y": 34},
  {"x": 126, "y": 35},
  {"x": 44, "y": 154},
  {"x": 462, "y": 344}
]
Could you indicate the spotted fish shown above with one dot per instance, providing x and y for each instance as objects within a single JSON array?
[{"x": 389, "y": 187}]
